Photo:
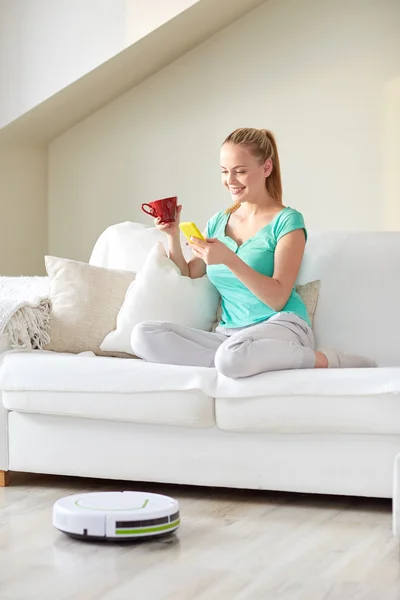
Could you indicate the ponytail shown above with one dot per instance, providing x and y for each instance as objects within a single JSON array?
[{"x": 274, "y": 181}]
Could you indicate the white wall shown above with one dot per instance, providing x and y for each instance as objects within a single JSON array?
[
  {"x": 47, "y": 44},
  {"x": 143, "y": 17},
  {"x": 23, "y": 209},
  {"x": 391, "y": 155},
  {"x": 321, "y": 75}
]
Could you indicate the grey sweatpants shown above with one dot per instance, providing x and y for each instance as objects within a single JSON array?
[{"x": 285, "y": 341}]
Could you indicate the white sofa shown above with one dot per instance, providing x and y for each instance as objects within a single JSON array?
[{"x": 320, "y": 431}]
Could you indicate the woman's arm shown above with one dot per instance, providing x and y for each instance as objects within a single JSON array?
[
  {"x": 273, "y": 291},
  {"x": 194, "y": 268},
  {"x": 197, "y": 268},
  {"x": 176, "y": 254}
]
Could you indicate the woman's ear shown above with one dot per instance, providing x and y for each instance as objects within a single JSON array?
[{"x": 268, "y": 167}]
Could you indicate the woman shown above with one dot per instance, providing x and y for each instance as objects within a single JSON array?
[{"x": 252, "y": 254}]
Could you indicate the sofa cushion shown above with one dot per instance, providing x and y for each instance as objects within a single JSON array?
[
  {"x": 127, "y": 245},
  {"x": 312, "y": 382},
  {"x": 311, "y": 401},
  {"x": 359, "y": 292},
  {"x": 372, "y": 414},
  {"x": 320, "y": 400},
  {"x": 189, "y": 408},
  {"x": 42, "y": 370},
  {"x": 85, "y": 303},
  {"x": 85, "y": 372},
  {"x": 160, "y": 293},
  {"x": 85, "y": 385}
]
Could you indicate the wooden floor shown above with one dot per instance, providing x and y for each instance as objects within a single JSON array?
[{"x": 232, "y": 545}]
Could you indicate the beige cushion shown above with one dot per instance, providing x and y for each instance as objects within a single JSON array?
[
  {"x": 85, "y": 303},
  {"x": 307, "y": 292}
]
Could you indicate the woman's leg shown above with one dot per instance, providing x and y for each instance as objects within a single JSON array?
[
  {"x": 283, "y": 342},
  {"x": 173, "y": 344}
]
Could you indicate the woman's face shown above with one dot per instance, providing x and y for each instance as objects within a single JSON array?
[{"x": 242, "y": 173}]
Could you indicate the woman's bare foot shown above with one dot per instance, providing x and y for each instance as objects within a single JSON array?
[{"x": 321, "y": 362}]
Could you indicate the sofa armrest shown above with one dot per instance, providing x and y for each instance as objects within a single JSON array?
[{"x": 3, "y": 437}]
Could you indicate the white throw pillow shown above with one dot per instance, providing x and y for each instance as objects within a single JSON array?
[
  {"x": 161, "y": 293},
  {"x": 125, "y": 246}
]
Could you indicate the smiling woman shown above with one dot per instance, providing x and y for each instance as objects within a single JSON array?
[{"x": 252, "y": 254}]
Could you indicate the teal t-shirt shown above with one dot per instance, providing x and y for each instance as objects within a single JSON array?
[{"x": 240, "y": 307}]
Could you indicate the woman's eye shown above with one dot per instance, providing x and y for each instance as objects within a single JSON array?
[{"x": 236, "y": 172}]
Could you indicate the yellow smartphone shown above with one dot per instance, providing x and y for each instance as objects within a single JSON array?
[{"x": 189, "y": 229}]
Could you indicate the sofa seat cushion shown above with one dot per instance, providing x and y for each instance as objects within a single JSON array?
[
  {"x": 105, "y": 388},
  {"x": 184, "y": 409},
  {"x": 47, "y": 371},
  {"x": 313, "y": 382},
  {"x": 302, "y": 401},
  {"x": 314, "y": 401}
]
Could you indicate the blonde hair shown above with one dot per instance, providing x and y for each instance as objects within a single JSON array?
[{"x": 262, "y": 144}]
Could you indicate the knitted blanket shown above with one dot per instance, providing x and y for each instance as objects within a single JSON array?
[{"x": 25, "y": 311}]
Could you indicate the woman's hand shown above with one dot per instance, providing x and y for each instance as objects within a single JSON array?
[
  {"x": 171, "y": 229},
  {"x": 212, "y": 251}
]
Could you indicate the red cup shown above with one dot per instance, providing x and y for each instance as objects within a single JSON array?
[{"x": 164, "y": 209}]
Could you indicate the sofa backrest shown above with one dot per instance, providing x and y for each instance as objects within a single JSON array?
[
  {"x": 359, "y": 301},
  {"x": 358, "y": 307}
]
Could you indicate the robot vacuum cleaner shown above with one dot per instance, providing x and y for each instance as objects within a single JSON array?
[{"x": 116, "y": 516}]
